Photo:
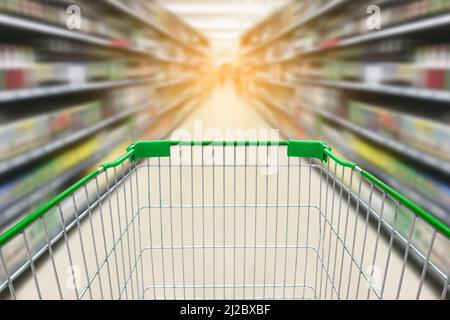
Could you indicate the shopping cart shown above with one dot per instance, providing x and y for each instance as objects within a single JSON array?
[{"x": 227, "y": 220}]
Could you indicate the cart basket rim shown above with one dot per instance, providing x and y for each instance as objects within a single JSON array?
[{"x": 161, "y": 148}]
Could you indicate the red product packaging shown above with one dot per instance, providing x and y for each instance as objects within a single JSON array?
[
  {"x": 390, "y": 123},
  {"x": 330, "y": 43},
  {"x": 60, "y": 123},
  {"x": 15, "y": 79},
  {"x": 120, "y": 43},
  {"x": 435, "y": 79}
]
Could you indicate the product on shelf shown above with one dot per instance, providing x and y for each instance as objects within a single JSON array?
[
  {"x": 123, "y": 31},
  {"x": 25, "y": 182},
  {"x": 408, "y": 174},
  {"x": 290, "y": 14},
  {"x": 20, "y": 68},
  {"x": 318, "y": 35},
  {"x": 24, "y": 134},
  {"x": 425, "y": 134},
  {"x": 33, "y": 132},
  {"x": 429, "y": 69}
]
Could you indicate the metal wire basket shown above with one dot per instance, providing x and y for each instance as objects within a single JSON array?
[{"x": 227, "y": 220}]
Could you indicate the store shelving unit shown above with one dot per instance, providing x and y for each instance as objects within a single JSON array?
[
  {"x": 45, "y": 92},
  {"x": 440, "y": 164},
  {"x": 304, "y": 19},
  {"x": 410, "y": 28},
  {"x": 415, "y": 93},
  {"x": 128, "y": 104},
  {"x": 41, "y": 151},
  {"x": 322, "y": 75},
  {"x": 161, "y": 29},
  {"x": 26, "y": 24}
]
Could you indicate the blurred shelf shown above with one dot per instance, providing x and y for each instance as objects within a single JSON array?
[
  {"x": 286, "y": 59},
  {"x": 416, "y": 26},
  {"x": 175, "y": 61},
  {"x": 50, "y": 30},
  {"x": 417, "y": 93},
  {"x": 402, "y": 29},
  {"x": 11, "y": 212},
  {"x": 323, "y": 10},
  {"x": 28, "y": 200},
  {"x": 39, "y": 92},
  {"x": 18, "y": 205},
  {"x": 276, "y": 83},
  {"x": 442, "y": 165},
  {"x": 268, "y": 100},
  {"x": 424, "y": 201},
  {"x": 177, "y": 102},
  {"x": 24, "y": 264},
  {"x": 21, "y": 23},
  {"x": 145, "y": 20},
  {"x": 408, "y": 27},
  {"x": 286, "y": 134},
  {"x": 438, "y": 210},
  {"x": 173, "y": 83},
  {"x": 47, "y": 148}
]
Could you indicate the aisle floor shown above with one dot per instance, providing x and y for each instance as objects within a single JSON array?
[
  {"x": 272, "y": 265},
  {"x": 223, "y": 111}
]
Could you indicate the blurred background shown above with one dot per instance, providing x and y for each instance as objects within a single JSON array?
[{"x": 80, "y": 80}]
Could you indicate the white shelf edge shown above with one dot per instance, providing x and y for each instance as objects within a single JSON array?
[
  {"x": 45, "y": 28},
  {"x": 42, "y": 27},
  {"x": 420, "y": 25},
  {"x": 418, "y": 93},
  {"x": 39, "y": 92}
]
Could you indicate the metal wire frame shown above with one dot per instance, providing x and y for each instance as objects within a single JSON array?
[{"x": 304, "y": 234}]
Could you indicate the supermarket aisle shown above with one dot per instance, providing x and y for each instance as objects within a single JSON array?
[
  {"x": 224, "y": 110},
  {"x": 72, "y": 98}
]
